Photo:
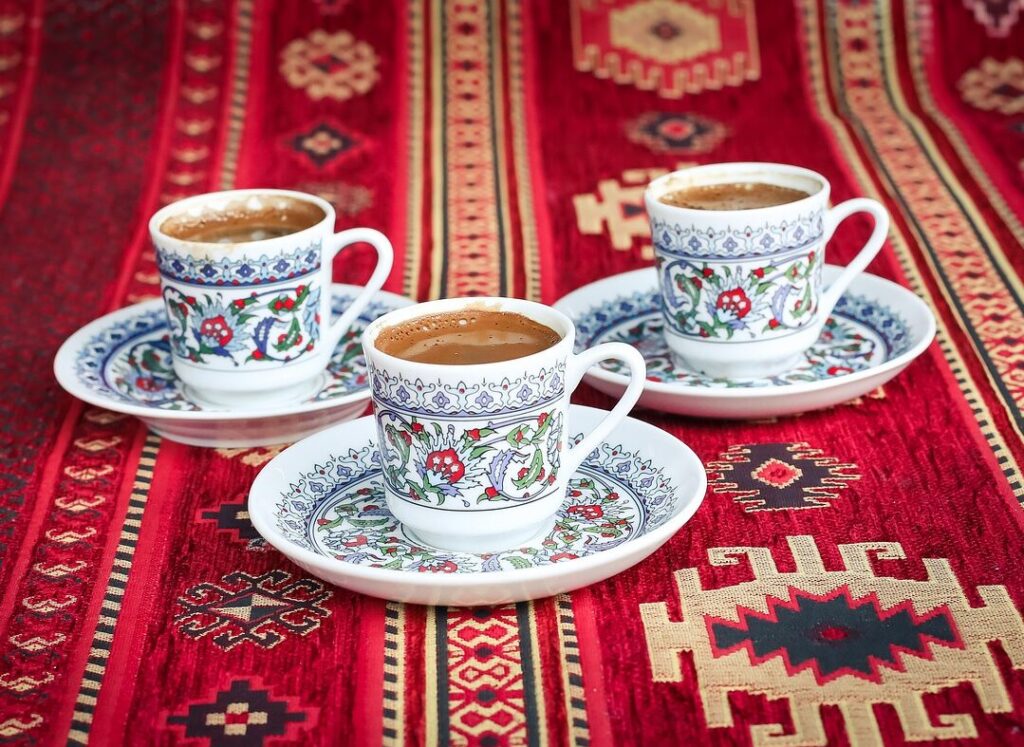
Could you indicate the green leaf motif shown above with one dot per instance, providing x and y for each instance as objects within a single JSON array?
[{"x": 532, "y": 472}]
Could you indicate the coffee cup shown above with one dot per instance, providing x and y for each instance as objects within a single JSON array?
[
  {"x": 741, "y": 289},
  {"x": 476, "y": 457},
  {"x": 246, "y": 282}
]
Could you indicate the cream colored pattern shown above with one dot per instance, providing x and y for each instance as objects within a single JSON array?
[
  {"x": 995, "y": 85},
  {"x": 996, "y": 620},
  {"x": 633, "y": 28},
  {"x": 333, "y": 66}
]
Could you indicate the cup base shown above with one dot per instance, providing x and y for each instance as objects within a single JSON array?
[
  {"x": 228, "y": 400},
  {"x": 737, "y": 371},
  {"x": 490, "y": 543}
]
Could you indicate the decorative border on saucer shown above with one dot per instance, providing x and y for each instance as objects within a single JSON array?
[
  {"x": 130, "y": 361},
  {"x": 436, "y": 399},
  {"x": 697, "y": 242},
  {"x": 616, "y": 496},
  {"x": 241, "y": 271},
  {"x": 860, "y": 333}
]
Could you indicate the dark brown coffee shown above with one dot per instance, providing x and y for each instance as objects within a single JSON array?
[
  {"x": 737, "y": 196},
  {"x": 466, "y": 337},
  {"x": 245, "y": 221}
]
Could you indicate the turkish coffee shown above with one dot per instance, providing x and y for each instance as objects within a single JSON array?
[
  {"x": 249, "y": 220},
  {"x": 466, "y": 337},
  {"x": 735, "y": 196}
]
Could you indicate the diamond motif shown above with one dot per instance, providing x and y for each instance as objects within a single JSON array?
[
  {"x": 837, "y": 635},
  {"x": 262, "y": 610},
  {"x": 776, "y": 473},
  {"x": 834, "y": 635},
  {"x": 669, "y": 132},
  {"x": 242, "y": 715},
  {"x": 325, "y": 143},
  {"x": 773, "y": 477}
]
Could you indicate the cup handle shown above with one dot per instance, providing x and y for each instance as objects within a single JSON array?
[
  {"x": 830, "y": 297},
  {"x": 578, "y": 365},
  {"x": 385, "y": 258}
]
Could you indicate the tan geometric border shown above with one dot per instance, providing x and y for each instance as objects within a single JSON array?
[
  {"x": 972, "y": 266},
  {"x": 116, "y": 583},
  {"x": 969, "y": 388},
  {"x": 394, "y": 675},
  {"x": 577, "y": 726}
]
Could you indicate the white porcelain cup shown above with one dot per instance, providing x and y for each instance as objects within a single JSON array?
[
  {"x": 475, "y": 458},
  {"x": 250, "y": 322},
  {"x": 742, "y": 292}
]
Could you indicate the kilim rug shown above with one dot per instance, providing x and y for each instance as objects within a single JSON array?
[{"x": 503, "y": 146}]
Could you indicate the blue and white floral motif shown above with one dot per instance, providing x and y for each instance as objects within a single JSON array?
[
  {"x": 698, "y": 243},
  {"x": 859, "y": 334},
  {"x": 505, "y": 460},
  {"x": 131, "y": 360},
  {"x": 278, "y": 325},
  {"x": 419, "y": 397},
  {"x": 239, "y": 271},
  {"x": 740, "y": 301},
  {"x": 337, "y": 509}
]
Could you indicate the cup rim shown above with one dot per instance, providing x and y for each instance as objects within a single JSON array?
[
  {"x": 175, "y": 208},
  {"x": 654, "y": 189},
  {"x": 517, "y": 305}
]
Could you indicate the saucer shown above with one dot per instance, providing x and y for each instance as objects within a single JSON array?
[
  {"x": 122, "y": 362},
  {"x": 321, "y": 503},
  {"x": 874, "y": 332}
]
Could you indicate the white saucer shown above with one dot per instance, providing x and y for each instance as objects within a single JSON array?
[
  {"x": 120, "y": 362},
  {"x": 875, "y": 330},
  {"x": 321, "y": 503}
]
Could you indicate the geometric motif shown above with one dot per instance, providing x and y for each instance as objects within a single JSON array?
[
  {"x": 833, "y": 634},
  {"x": 774, "y": 477},
  {"x": 327, "y": 142},
  {"x": 953, "y": 233},
  {"x": 995, "y": 85},
  {"x": 997, "y": 16},
  {"x": 848, "y": 638},
  {"x": 233, "y": 517},
  {"x": 669, "y": 132},
  {"x": 618, "y": 209},
  {"x": 241, "y": 715},
  {"x": 254, "y": 456},
  {"x": 665, "y": 46},
  {"x": 335, "y": 66},
  {"x": 485, "y": 696},
  {"x": 257, "y": 609}
]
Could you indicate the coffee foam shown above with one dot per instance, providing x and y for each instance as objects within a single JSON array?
[
  {"x": 714, "y": 174},
  {"x": 467, "y": 336},
  {"x": 279, "y": 211}
]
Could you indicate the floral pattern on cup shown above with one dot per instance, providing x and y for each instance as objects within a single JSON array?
[
  {"x": 515, "y": 459},
  {"x": 238, "y": 271},
  {"x": 131, "y": 360},
  {"x": 338, "y": 510},
  {"x": 279, "y": 325},
  {"x": 859, "y": 334},
  {"x": 739, "y": 301},
  {"x": 764, "y": 240},
  {"x": 421, "y": 397}
]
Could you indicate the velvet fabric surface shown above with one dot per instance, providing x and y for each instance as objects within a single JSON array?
[{"x": 854, "y": 575}]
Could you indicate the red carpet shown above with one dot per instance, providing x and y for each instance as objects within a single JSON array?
[{"x": 503, "y": 147}]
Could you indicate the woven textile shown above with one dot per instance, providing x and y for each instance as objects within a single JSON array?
[{"x": 854, "y": 575}]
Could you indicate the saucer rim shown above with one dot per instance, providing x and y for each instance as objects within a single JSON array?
[
  {"x": 64, "y": 372},
  {"x": 649, "y": 541},
  {"x": 570, "y": 304}
]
